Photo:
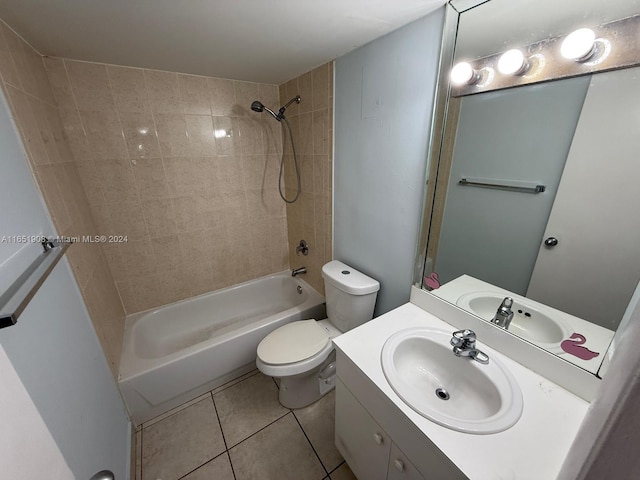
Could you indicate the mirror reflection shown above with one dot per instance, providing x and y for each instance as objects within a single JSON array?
[{"x": 538, "y": 230}]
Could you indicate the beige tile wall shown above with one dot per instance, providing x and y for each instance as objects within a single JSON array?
[
  {"x": 309, "y": 218},
  {"x": 181, "y": 166},
  {"x": 31, "y": 97}
]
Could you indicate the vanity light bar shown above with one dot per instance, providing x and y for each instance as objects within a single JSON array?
[
  {"x": 463, "y": 73},
  {"x": 579, "y": 46},
  {"x": 608, "y": 46},
  {"x": 513, "y": 62}
]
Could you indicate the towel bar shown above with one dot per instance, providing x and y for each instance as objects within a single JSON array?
[
  {"x": 497, "y": 186},
  {"x": 15, "y": 299}
]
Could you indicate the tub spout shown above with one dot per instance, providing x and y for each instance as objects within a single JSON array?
[{"x": 298, "y": 271}]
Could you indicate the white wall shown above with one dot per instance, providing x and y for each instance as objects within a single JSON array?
[
  {"x": 27, "y": 449},
  {"x": 384, "y": 93},
  {"x": 53, "y": 349}
]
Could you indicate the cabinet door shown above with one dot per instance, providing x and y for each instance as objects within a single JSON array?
[
  {"x": 360, "y": 440},
  {"x": 400, "y": 468}
]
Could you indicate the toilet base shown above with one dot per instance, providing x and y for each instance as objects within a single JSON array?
[{"x": 298, "y": 391}]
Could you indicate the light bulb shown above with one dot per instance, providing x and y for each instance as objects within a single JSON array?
[
  {"x": 513, "y": 62},
  {"x": 579, "y": 45},
  {"x": 463, "y": 73}
]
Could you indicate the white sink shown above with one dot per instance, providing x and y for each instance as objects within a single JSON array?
[
  {"x": 531, "y": 321},
  {"x": 420, "y": 366}
]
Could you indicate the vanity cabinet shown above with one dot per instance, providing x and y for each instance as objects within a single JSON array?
[
  {"x": 361, "y": 441},
  {"x": 367, "y": 448},
  {"x": 376, "y": 439},
  {"x": 400, "y": 468}
]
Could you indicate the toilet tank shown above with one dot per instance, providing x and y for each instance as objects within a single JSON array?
[{"x": 351, "y": 295}]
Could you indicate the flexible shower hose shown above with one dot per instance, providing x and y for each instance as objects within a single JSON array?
[{"x": 295, "y": 161}]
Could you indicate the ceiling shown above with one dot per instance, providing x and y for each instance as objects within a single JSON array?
[{"x": 268, "y": 41}]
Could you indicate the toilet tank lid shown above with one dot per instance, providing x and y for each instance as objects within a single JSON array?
[{"x": 348, "y": 279}]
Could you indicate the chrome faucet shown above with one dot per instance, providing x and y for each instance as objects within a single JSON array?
[
  {"x": 464, "y": 345},
  {"x": 504, "y": 315},
  {"x": 298, "y": 271}
]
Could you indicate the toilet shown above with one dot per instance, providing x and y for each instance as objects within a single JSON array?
[{"x": 300, "y": 355}]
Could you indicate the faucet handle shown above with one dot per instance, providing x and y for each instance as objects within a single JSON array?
[
  {"x": 464, "y": 345},
  {"x": 465, "y": 334},
  {"x": 463, "y": 337},
  {"x": 506, "y": 305}
]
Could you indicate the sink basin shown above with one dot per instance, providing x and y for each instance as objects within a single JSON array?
[
  {"x": 455, "y": 392},
  {"x": 531, "y": 321}
]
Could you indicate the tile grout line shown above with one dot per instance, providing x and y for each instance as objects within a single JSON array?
[
  {"x": 222, "y": 432},
  {"x": 256, "y": 432},
  {"x": 310, "y": 444},
  {"x": 215, "y": 409},
  {"x": 343, "y": 462},
  {"x": 231, "y": 463},
  {"x": 200, "y": 466}
]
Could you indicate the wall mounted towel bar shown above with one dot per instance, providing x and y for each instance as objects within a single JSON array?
[
  {"x": 15, "y": 299},
  {"x": 471, "y": 182}
]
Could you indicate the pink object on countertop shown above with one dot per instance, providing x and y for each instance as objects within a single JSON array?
[
  {"x": 575, "y": 347},
  {"x": 432, "y": 281}
]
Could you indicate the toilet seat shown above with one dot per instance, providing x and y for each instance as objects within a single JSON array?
[
  {"x": 294, "y": 348},
  {"x": 293, "y": 342}
]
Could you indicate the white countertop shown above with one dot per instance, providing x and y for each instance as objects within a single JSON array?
[{"x": 534, "y": 448}]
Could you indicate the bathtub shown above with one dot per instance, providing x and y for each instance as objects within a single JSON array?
[{"x": 176, "y": 352}]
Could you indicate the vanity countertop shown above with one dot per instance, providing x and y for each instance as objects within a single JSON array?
[
  {"x": 597, "y": 338},
  {"x": 534, "y": 448}
]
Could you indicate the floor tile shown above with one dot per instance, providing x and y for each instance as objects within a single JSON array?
[
  {"x": 175, "y": 410},
  {"x": 247, "y": 407},
  {"x": 182, "y": 442},
  {"x": 279, "y": 452},
  {"x": 217, "y": 469},
  {"x": 343, "y": 473},
  {"x": 318, "y": 422},
  {"x": 234, "y": 381}
]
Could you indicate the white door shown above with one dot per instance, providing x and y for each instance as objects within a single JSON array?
[
  {"x": 27, "y": 448},
  {"x": 595, "y": 266}
]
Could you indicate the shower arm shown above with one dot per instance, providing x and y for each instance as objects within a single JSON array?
[
  {"x": 284, "y": 107},
  {"x": 275, "y": 115}
]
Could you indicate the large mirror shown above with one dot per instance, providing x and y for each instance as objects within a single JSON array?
[{"x": 533, "y": 223}]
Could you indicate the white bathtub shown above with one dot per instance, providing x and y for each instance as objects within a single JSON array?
[{"x": 174, "y": 353}]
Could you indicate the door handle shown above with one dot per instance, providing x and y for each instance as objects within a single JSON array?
[{"x": 551, "y": 242}]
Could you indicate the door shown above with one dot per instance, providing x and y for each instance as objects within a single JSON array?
[{"x": 594, "y": 268}]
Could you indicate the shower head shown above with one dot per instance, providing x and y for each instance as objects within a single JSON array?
[{"x": 257, "y": 106}]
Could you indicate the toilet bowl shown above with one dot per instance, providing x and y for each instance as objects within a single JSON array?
[{"x": 301, "y": 355}]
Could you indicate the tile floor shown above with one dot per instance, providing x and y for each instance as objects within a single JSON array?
[{"x": 240, "y": 432}]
